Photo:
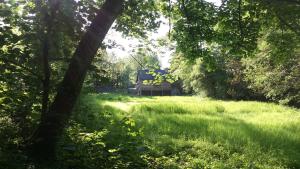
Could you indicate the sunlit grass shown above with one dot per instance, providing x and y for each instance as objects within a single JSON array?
[{"x": 192, "y": 132}]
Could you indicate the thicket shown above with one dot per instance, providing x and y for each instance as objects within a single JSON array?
[{"x": 274, "y": 70}]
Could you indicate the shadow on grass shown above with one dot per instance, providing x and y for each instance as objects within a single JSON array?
[
  {"x": 282, "y": 143},
  {"x": 98, "y": 138},
  {"x": 103, "y": 136}
]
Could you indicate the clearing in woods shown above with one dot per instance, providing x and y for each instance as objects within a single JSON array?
[{"x": 193, "y": 132}]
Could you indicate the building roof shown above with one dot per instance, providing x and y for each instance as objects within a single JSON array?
[{"x": 145, "y": 74}]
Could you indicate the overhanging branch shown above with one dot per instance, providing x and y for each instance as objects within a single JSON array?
[
  {"x": 32, "y": 72},
  {"x": 295, "y": 28}
]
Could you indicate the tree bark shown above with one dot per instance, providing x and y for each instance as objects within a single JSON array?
[
  {"x": 43, "y": 142},
  {"x": 46, "y": 72},
  {"x": 47, "y": 31}
]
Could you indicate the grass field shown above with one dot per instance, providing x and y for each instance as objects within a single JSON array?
[{"x": 192, "y": 132}]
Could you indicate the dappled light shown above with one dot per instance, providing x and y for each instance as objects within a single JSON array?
[
  {"x": 244, "y": 132},
  {"x": 149, "y": 84}
]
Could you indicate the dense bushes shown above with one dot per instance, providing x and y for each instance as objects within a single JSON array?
[
  {"x": 224, "y": 81},
  {"x": 259, "y": 77},
  {"x": 277, "y": 82},
  {"x": 274, "y": 71}
]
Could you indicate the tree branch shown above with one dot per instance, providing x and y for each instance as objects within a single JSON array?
[
  {"x": 240, "y": 19},
  {"x": 138, "y": 62},
  {"x": 297, "y": 2},
  {"x": 222, "y": 4},
  {"x": 32, "y": 72},
  {"x": 295, "y": 28}
]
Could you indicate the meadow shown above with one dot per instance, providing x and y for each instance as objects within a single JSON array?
[{"x": 185, "y": 132}]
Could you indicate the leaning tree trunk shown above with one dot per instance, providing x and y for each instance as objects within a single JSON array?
[{"x": 44, "y": 140}]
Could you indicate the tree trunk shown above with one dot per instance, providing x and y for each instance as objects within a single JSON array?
[
  {"x": 46, "y": 71},
  {"x": 47, "y": 31},
  {"x": 43, "y": 142}
]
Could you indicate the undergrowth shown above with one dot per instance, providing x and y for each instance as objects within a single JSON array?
[{"x": 120, "y": 131}]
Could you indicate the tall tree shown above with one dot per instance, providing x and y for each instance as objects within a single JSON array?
[
  {"x": 52, "y": 123},
  {"x": 38, "y": 38}
]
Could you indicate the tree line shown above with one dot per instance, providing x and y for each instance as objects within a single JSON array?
[{"x": 240, "y": 50}]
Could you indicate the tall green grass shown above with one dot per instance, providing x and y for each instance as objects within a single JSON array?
[{"x": 192, "y": 132}]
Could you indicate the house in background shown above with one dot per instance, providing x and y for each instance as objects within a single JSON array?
[{"x": 146, "y": 86}]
